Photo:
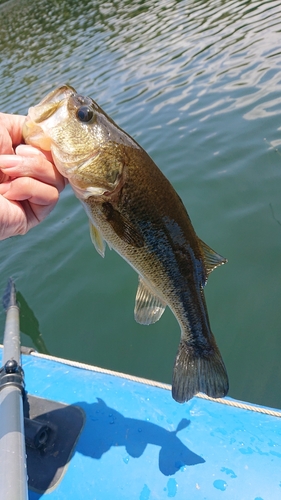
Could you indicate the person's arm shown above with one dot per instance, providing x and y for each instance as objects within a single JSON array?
[{"x": 29, "y": 182}]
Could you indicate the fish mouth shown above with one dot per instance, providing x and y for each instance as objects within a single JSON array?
[
  {"x": 34, "y": 135},
  {"x": 33, "y": 132}
]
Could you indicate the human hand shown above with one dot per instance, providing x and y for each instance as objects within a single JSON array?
[{"x": 29, "y": 182}]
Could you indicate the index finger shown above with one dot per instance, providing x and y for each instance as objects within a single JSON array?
[
  {"x": 32, "y": 163},
  {"x": 13, "y": 124}
]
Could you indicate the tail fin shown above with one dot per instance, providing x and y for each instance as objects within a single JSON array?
[{"x": 194, "y": 373}]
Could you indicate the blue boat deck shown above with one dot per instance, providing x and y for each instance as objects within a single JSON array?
[{"x": 137, "y": 443}]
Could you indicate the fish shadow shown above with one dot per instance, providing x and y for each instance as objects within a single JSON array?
[
  {"x": 108, "y": 428},
  {"x": 92, "y": 430}
]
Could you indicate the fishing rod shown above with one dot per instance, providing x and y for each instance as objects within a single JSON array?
[{"x": 13, "y": 473}]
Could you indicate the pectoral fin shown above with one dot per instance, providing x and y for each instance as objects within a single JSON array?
[
  {"x": 97, "y": 239},
  {"x": 148, "y": 307},
  {"x": 122, "y": 226},
  {"x": 211, "y": 258}
]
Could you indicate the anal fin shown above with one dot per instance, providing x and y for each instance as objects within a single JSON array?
[{"x": 148, "y": 307}]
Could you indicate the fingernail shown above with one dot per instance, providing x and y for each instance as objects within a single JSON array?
[
  {"x": 26, "y": 150},
  {"x": 8, "y": 161}
]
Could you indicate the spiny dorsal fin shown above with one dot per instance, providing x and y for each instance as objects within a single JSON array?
[
  {"x": 212, "y": 259},
  {"x": 97, "y": 239},
  {"x": 148, "y": 307}
]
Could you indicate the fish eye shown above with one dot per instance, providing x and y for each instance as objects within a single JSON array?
[{"x": 84, "y": 114}]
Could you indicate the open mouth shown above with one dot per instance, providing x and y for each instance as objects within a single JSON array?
[
  {"x": 49, "y": 105},
  {"x": 58, "y": 94},
  {"x": 33, "y": 131},
  {"x": 34, "y": 135}
]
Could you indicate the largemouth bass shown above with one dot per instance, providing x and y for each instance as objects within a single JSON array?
[{"x": 133, "y": 207}]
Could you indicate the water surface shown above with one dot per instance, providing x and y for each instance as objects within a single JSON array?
[{"x": 198, "y": 85}]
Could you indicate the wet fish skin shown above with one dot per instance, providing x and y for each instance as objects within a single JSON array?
[{"x": 133, "y": 207}]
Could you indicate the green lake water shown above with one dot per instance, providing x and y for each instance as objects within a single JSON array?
[{"x": 198, "y": 85}]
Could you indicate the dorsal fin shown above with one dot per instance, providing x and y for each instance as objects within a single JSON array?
[
  {"x": 211, "y": 258},
  {"x": 148, "y": 307}
]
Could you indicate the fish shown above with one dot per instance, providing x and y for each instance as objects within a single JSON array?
[{"x": 133, "y": 208}]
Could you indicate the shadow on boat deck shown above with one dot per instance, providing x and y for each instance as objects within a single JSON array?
[{"x": 103, "y": 429}]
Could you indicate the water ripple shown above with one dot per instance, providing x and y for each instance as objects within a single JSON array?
[
  {"x": 161, "y": 51},
  {"x": 198, "y": 84}
]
